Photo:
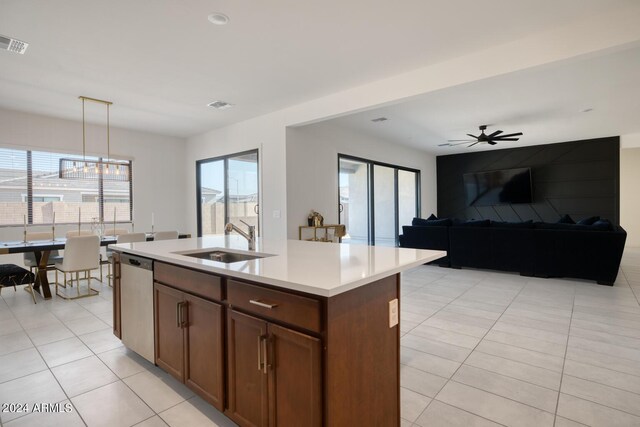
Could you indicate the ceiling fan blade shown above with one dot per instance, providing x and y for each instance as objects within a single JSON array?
[
  {"x": 477, "y": 142},
  {"x": 473, "y": 136},
  {"x": 444, "y": 145},
  {"x": 498, "y": 132},
  {"x": 508, "y": 135},
  {"x": 507, "y": 139}
]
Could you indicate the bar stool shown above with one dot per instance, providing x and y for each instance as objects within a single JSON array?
[
  {"x": 82, "y": 253},
  {"x": 13, "y": 275}
]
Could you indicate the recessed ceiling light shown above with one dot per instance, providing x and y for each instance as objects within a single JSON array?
[
  {"x": 379, "y": 119},
  {"x": 218, "y": 18},
  {"x": 219, "y": 105}
]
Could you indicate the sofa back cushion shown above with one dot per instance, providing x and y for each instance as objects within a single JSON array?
[
  {"x": 589, "y": 221},
  {"x": 523, "y": 224},
  {"x": 474, "y": 223},
  {"x": 566, "y": 219},
  {"x": 421, "y": 222}
]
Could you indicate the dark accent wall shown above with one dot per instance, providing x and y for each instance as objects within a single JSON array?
[{"x": 579, "y": 178}]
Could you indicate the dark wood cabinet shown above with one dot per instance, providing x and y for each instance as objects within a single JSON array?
[
  {"x": 269, "y": 357},
  {"x": 189, "y": 341},
  {"x": 169, "y": 332},
  {"x": 275, "y": 374},
  {"x": 247, "y": 391},
  {"x": 117, "y": 331},
  {"x": 204, "y": 357},
  {"x": 295, "y": 378}
]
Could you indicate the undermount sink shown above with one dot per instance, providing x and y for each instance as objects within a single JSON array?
[{"x": 225, "y": 256}]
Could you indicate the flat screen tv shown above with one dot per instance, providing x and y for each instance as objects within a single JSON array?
[{"x": 507, "y": 186}]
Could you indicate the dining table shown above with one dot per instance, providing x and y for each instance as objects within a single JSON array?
[{"x": 42, "y": 249}]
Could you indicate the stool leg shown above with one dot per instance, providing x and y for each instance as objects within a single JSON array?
[{"x": 30, "y": 285}]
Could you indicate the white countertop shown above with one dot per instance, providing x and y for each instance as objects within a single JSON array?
[{"x": 319, "y": 268}]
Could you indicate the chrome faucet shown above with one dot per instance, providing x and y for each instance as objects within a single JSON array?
[{"x": 250, "y": 236}]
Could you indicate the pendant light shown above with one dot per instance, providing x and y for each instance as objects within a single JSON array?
[{"x": 94, "y": 169}]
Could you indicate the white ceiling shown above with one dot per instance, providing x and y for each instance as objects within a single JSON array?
[
  {"x": 544, "y": 103},
  {"x": 161, "y": 61}
]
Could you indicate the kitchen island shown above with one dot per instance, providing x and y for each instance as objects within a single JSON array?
[{"x": 293, "y": 333}]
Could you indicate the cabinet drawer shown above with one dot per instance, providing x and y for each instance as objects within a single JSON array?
[
  {"x": 195, "y": 282},
  {"x": 293, "y": 309}
]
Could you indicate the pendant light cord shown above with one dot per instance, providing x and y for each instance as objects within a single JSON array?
[
  {"x": 108, "y": 147},
  {"x": 84, "y": 157}
]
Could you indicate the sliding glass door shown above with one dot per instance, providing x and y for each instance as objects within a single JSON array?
[
  {"x": 354, "y": 200},
  {"x": 376, "y": 200},
  {"x": 227, "y": 191}
]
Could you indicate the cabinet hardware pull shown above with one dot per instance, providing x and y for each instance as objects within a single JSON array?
[
  {"x": 178, "y": 315},
  {"x": 264, "y": 350},
  {"x": 262, "y": 304},
  {"x": 259, "y": 352},
  {"x": 184, "y": 320}
]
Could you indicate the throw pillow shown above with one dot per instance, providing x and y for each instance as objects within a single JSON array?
[
  {"x": 432, "y": 217},
  {"x": 566, "y": 219},
  {"x": 602, "y": 224},
  {"x": 589, "y": 221}
]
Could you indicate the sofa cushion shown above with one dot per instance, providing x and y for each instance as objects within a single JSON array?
[
  {"x": 474, "y": 223},
  {"x": 523, "y": 224},
  {"x": 559, "y": 226},
  {"x": 602, "y": 224},
  {"x": 420, "y": 222},
  {"x": 589, "y": 221},
  {"x": 566, "y": 219}
]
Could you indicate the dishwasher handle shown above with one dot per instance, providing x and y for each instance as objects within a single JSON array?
[{"x": 136, "y": 261}]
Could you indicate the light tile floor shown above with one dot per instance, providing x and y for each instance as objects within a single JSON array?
[{"x": 479, "y": 348}]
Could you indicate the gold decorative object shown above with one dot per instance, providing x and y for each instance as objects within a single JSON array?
[{"x": 106, "y": 169}]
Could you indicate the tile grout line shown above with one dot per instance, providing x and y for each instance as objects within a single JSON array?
[
  {"x": 472, "y": 350},
  {"x": 564, "y": 361},
  {"x": 94, "y": 354}
]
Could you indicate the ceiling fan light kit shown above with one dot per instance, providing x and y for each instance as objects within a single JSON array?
[{"x": 491, "y": 139}]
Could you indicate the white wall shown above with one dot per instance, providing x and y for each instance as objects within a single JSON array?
[
  {"x": 312, "y": 169},
  {"x": 158, "y": 163},
  {"x": 267, "y": 134},
  {"x": 629, "y": 193}
]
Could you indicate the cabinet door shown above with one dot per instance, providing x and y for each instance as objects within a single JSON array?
[
  {"x": 116, "y": 294},
  {"x": 246, "y": 344},
  {"x": 295, "y": 378},
  {"x": 204, "y": 349},
  {"x": 169, "y": 330}
]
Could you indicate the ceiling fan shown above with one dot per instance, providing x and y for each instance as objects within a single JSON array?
[{"x": 491, "y": 139}]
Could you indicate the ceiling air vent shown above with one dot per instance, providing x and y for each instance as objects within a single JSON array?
[
  {"x": 219, "y": 105},
  {"x": 379, "y": 119},
  {"x": 13, "y": 45}
]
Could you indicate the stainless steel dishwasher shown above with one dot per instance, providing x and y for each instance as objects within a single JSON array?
[{"x": 136, "y": 305}]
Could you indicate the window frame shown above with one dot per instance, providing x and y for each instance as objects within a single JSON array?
[
  {"x": 371, "y": 190},
  {"x": 225, "y": 158},
  {"x": 27, "y": 194}
]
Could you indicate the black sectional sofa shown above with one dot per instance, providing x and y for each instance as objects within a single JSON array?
[{"x": 590, "y": 252}]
